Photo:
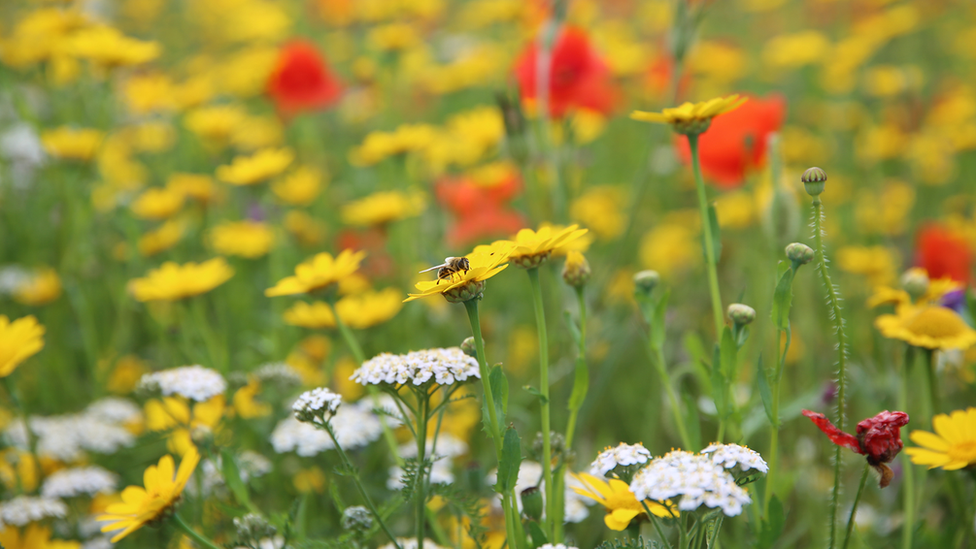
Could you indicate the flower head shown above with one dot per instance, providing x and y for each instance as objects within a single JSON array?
[
  {"x": 730, "y": 455},
  {"x": 316, "y": 406},
  {"x": 318, "y": 273},
  {"x": 262, "y": 165},
  {"x": 355, "y": 425},
  {"x": 928, "y": 326},
  {"x": 172, "y": 281},
  {"x": 251, "y": 239},
  {"x": 19, "y": 340},
  {"x": 483, "y": 263},
  {"x": 621, "y": 504},
  {"x": 443, "y": 366},
  {"x": 141, "y": 505},
  {"x": 621, "y": 455},
  {"x": 695, "y": 479},
  {"x": 34, "y": 536},
  {"x": 691, "y": 118},
  {"x": 300, "y": 187},
  {"x": 158, "y": 203},
  {"x": 23, "y": 510},
  {"x": 193, "y": 382},
  {"x": 943, "y": 253},
  {"x": 382, "y": 208},
  {"x": 358, "y": 311},
  {"x": 72, "y": 144},
  {"x": 952, "y": 446},
  {"x": 301, "y": 80},
  {"x": 531, "y": 248},
  {"x": 88, "y": 480},
  {"x": 878, "y": 438}
]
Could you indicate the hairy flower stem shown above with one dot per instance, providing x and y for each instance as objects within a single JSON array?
[
  {"x": 709, "y": 237},
  {"x": 908, "y": 482},
  {"x": 422, "y": 411},
  {"x": 857, "y": 500},
  {"x": 833, "y": 301},
  {"x": 197, "y": 537},
  {"x": 540, "y": 326}
]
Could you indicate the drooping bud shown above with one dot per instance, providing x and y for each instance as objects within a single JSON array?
[
  {"x": 799, "y": 253},
  {"x": 915, "y": 281},
  {"x": 741, "y": 314},
  {"x": 646, "y": 281},
  {"x": 469, "y": 348},
  {"x": 813, "y": 181},
  {"x": 576, "y": 272},
  {"x": 532, "y": 503}
]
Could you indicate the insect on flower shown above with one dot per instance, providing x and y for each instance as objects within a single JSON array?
[{"x": 449, "y": 268}]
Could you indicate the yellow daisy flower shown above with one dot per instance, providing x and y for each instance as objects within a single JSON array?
[
  {"x": 41, "y": 288},
  {"x": 174, "y": 414},
  {"x": 246, "y": 404},
  {"x": 158, "y": 203},
  {"x": 215, "y": 124},
  {"x": 262, "y": 165},
  {"x": 621, "y": 504},
  {"x": 691, "y": 118},
  {"x": 359, "y": 311},
  {"x": 110, "y": 48},
  {"x": 19, "y": 340},
  {"x": 173, "y": 281},
  {"x": 952, "y": 446},
  {"x": 318, "y": 273},
  {"x": 483, "y": 263},
  {"x": 163, "y": 238},
  {"x": 141, "y": 505},
  {"x": 382, "y": 208},
  {"x": 928, "y": 326},
  {"x": 196, "y": 186},
  {"x": 250, "y": 239},
  {"x": 34, "y": 536},
  {"x": 531, "y": 248},
  {"x": 72, "y": 143},
  {"x": 300, "y": 188}
]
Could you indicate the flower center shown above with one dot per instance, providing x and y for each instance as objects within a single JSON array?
[
  {"x": 936, "y": 322},
  {"x": 963, "y": 451}
]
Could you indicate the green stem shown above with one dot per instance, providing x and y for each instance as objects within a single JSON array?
[
  {"x": 196, "y": 536},
  {"x": 540, "y": 326},
  {"x": 574, "y": 413},
  {"x": 422, "y": 411},
  {"x": 214, "y": 349},
  {"x": 933, "y": 384},
  {"x": 657, "y": 525},
  {"x": 908, "y": 482},
  {"x": 857, "y": 500},
  {"x": 679, "y": 418},
  {"x": 774, "y": 434},
  {"x": 709, "y": 242},
  {"x": 833, "y": 301}
]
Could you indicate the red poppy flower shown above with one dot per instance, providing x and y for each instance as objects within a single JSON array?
[
  {"x": 736, "y": 141},
  {"x": 301, "y": 80},
  {"x": 578, "y": 77},
  {"x": 942, "y": 253},
  {"x": 464, "y": 196},
  {"x": 491, "y": 221},
  {"x": 878, "y": 438}
]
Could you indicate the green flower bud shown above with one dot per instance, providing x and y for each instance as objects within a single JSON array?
[
  {"x": 532, "y": 502},
  {"x": 465, "y": 292},
  {"x": 915, "y": 281},
  {"x": 741, "y": 314},
  {"x": 646, "y": 281},
  {"x": 799, "y": 253},
  {"x": 469, "y": 347},
  {"x": 576, "y": 272},
  {"x": 813, "y": 181}
]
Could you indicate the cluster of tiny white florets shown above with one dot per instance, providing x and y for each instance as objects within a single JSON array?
[
  {"x": 23, "y": 510},
  {"x": 530, "y": 476},
  {"x": 620, "y": 455},
  {"x": 411, "y": 543},
  {"x": 694, "y": 478},
  {"x": 444, "y": 366},
  {"x": 316, "y": 406},
  {"x": 76, "y": 481},
  {"x": 556, "y": 546},
  {"x": 67, "y": 437},
  {"x": 730, "y": 455},
  {"x": 280, "y": 373},
  {"x": 355, "y": 425},
  {"x": 193, "y": 382}
]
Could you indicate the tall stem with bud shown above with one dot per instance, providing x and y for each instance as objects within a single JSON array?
[{"x": 709, "y": 238}]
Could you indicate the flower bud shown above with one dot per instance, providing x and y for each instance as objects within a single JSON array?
[
  {"x": 532, "y": 502},
  {"x": 251, "y": 528},
  {"x": 576, "y": 272},
  {"x": 646, "y": 281},
  {"x": 357, "y": 518},
  {"x": 472, "y": 289},
  {"x": 469, "y": 347},
  {"x": 741, "y": 314},
  {"x": 529, "y": 261},
  {"x": 799, "y": 253},
  {"x": 915, "y": 281},
  {"x": 813, "y": 181}
]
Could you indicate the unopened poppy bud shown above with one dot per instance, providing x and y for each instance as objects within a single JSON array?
[
  {"x": 469, "y": 347},
  {"x": 741, "y": 314},
  {"x": 576, "y": 272},
  {"x": 532, "y": 502},
  {"x": 813, "y": 181},
  {"x": 646, "y": 281},
  {"x": 915, "y": 281},
  {"x": 799, "y": 253}
]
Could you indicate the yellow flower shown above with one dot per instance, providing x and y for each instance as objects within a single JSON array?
[
  {"x": 149, "y": 93},
  {"x": 621, "y": 504},
  {"x": 359, "y": 311},
  {"x": 877, "y": 263},
  {"x": 34, "y": 536},
  {"x": 126, "y": 375},
  {"x": 143, "y": 505},
  {"x": 929, "y": 326},
  {"x": 162, "y": 239},
  {"x": 215, "y": 124},
  {"x": 174, "y": 414},
  {"x": 158, "y": 203},
  {"x": 599, "y": 209},
  {"x": 318, "y": 273},
  {"x": 250, "y": 239},
  {"x": 108, "y": 47},
  {"x": 173, "y": 281},
  {"x": 196, "y": 186},
  {"x": 392, "y": 37},
  {"x": 483, "y": 263},
  {"x": 669, "y": 249},
  {"x": 299, "y": 188},
  {"x": 789, "y": 51},
  {"x": 248, "y": 170},
  {"x": 307, "y": 230},
  {"x": 952, "y": 446},
  {"x": 530, "y": 248},
  {"x": 383, "y": 207},
  {"x": 72, "y": 143},
  {"x": 43, "y": 286},
  {"x": 692, "y": 118},
  {"x": 380, "y": 145},
  {"x": 19, "y": 469},
  {"x": 258, "y": 132},
  {"x": 309, "y": 480},
  {"x": 246, "y": 405},
  {"x": 19, "y": 340},
  {"x": 316, "y": 315}
]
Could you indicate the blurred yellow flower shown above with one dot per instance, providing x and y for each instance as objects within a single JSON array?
[
  {"x": 599, "y": 208},
  {"x": 179, "y": 419},
  {"x": 172, "y": 281},
  {"x": 877, "y": 263},
  {"x": 669, "y": 249},
  {"x": 883, "y": 142},
  {"x": 126, "y": 374},
  {"x": 40, "y": 288},
  {"x": 483, "y": 263},
  {"x": 735, "y": 210},
  {"x": 196, "y": 186},
  {"x": 149, "y": 93},
  {"x": 34, "y": 536},
  {"x": 109, "y": 48},
  {"x": 245, "y": 403},
  {"x": 392, "y": 37},
  {"x": 245, "y": 73},
  {"x": 300, "y": 187},
  {"x": 258, "y": 132},
  {"x": 262, "y": 165},
  {"x": 307, "y": 230},
  {"x": 691, "y": 117},
  {"x": 215, "y": 124},
  {"x": 382, "y": 208},
  {"x": 19, "y": 470},
  {"x": 351, "y": 391},
  {"x": 250, "y": 239},
  {"x": 318, "y": 273},
  {"x": 929, "y": 326},
  {"x": 358, "y": 311},
  {"x": 163, "y": 238},
  {"x": 890, "y": 80},
  {"x": 143, "y": 505},
  {"x": 157, "y": 203},
  {"x": 72, "y": 143},
  {"x": 379, "y": 145},
  {"x": 621, "y": 504},
  {"x": 309, "y": 480},
  {"x": 885, "y": 213},
  {"x": 952, "y": 446},
  {"x": 719, "y": 62},
  {"x": 789, "y": 51},
  {"x": 530, "y": 248},
  {"x": 19, "y": 340}
]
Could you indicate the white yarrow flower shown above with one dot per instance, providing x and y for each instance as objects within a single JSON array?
[
  {"x": 76, "y": 481},
  {"x": 411, "y": 543},
  {"x": 730, "y": 455},
  {"x": 694, "y": 478},
  {"x": 23, "y": 510},
  {"x": 556, "y": 546},
  {"x": 443, "y": 366},
  {"x": 620, "y": 455},
  {"x": 317, "y": 405},
  {"x": 193, "y": 382},
  {"x": 355, "y": 425}
]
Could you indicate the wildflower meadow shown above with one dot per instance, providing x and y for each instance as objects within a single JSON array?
[{"x": 487, "y": 274}]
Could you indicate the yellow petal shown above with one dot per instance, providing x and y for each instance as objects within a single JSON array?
[{"x": 929, "y": 440}]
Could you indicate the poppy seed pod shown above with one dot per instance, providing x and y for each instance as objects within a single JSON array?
[{"x": 813, "y": 181}]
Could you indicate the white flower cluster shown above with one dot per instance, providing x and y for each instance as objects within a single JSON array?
[
  {"x": 115, "y": 410},
  {"x": 316, "y": 405},
  {"x": 696, "y": 478},
  {"x": 280, "y": 373},
  {"x": 101, "y": 542},
  {"x": 556, "y": 546},
  {"x": 355, "y": 425},
  {"x": 249, "y": 465},
  {"x": 193, "y": 382},
  {"x": 730, "y": 455},
  {"x": 100, "y": 428},
  {"x": 72, "y": 482},
  {"x": 23, "y": 510},
  {"x": 411, "y": 543},
  {"x": 444, "y": 366},
  {"x": 447, "y": 446},
  {"x": 440, "y": 473},
  {"x": 530, "y": 475},
  {"x": 620, "y": 455}
]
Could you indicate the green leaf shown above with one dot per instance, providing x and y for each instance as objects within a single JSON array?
[
  {"x": 765, "y": 393},
  {"x": 772, "y": 525},
  {"x": 508, "y": 465},
  {"x": 538, "y": 394},
  {"x": 232, "y": 476},
  {"x": 538, "y": 536},
  {"x": 581, "y": 385},
  {"x": 692, "y": 422},
  {"x": 730, "y": 354},
  {"x": 716, "y": 232},
  {"x": 718, "y": 382},
  {"x": 573, "y": 328},
  {"x": 659, "y": 325},
  {"x": 499, "y": 390},
  {"x": 783, "y": 299}
]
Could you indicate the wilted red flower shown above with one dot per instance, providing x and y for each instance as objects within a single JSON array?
[
  {"x": 878, "y": 438},
  {"x": 942, "y": 253},
  {"x": 736, "y": 141},
  {"x": 578, "y": 76},
  {"x": 301, "y": 80}
]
